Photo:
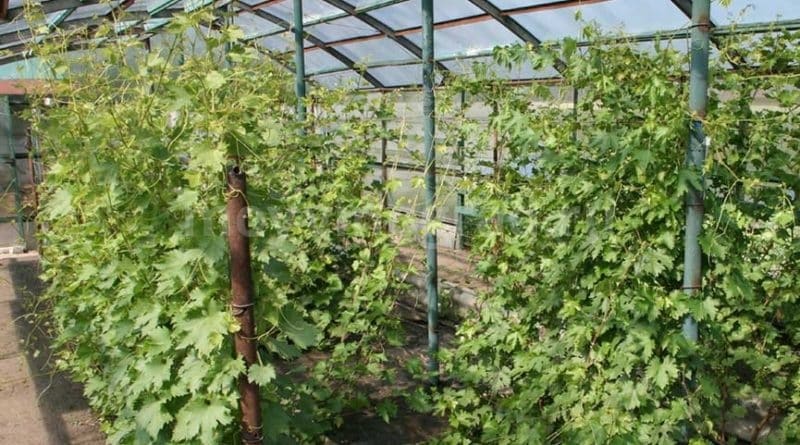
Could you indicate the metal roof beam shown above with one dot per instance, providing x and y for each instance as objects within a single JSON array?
[
  {"x": 467, "y": 20},
  {"x": 338, "y": 15},
  {"x": 384, "y": 29},
  {"x": 50, "y": 6},
  {"x": 685, "y": 7},
  {"x": 349, "y": 63},
  {"x": 752, "y": 28},
  {"x": 514, "y": 26}
]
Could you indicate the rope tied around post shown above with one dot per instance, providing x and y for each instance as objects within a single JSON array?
[{"x": 240, "y": 309}]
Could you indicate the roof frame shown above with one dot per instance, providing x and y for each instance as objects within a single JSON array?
[
  {"x": 50, "y": 6},
  {"x": 339, "y": 15},
  {"x": 685, "y": 7},
  {"x": 468, "y": 19},
  {"x": 512, "y": 25},
  {"x": 348, "y": 62},
  {"x": 384, "y": 29}
]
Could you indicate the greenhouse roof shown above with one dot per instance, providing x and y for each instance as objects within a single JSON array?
[{"x": 377, "y": 43}]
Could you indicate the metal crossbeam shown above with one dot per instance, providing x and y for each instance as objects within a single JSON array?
[
  {"x": 384, "y": 29},
  {"x": 348, "y": 62},
  {"x": 514, "y": 26},
  {"x": 685, "y": 7},
  {"x": 50, "y": 6}
]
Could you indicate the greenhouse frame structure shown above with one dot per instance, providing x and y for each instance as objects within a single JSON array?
[{"x": 386, "y": 45}]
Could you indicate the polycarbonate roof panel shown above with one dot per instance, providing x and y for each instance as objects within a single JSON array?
[
  {"x": 375, "y": 51},
  {"x": 252, "y": 25},
  {"x": 320, "y": 60},
  {"x": 513, "y": 4},
  {"x": 754, "y": 11},
  {"x": 341, "y": 79},
  {"x": 344, "y": 28},
  {"x": 145, "y": 5},
  {"x": 312, "y": 10},
  {"x": 278, "y": 43},
  {"x": 392, "y": 76},
  {"x": 366, "y": 3},
  {"x": 407, "y": 14},
  {"x": 524, "y": 72},
  {"x": 89, "y": 11},
  {"x": 469, "y": 39},
  {"x": 13, "y": 26},
  {"x": 20, "y": 24},
  {"x": 463, "y": 29},
  {"x": 628, "y": 16}
]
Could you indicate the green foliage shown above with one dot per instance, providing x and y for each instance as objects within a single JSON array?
[
  {"x": 135, "y": 251},
  {"x": 579, "y": 339}
]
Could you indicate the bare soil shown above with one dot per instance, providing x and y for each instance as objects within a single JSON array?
[{"x": 40, "y": 407}]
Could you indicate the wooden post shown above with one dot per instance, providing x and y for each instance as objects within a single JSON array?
[{"x": 242, "y": 303}]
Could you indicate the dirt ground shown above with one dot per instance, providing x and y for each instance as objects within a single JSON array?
[
  {"x": 38, "y": 408},
  {"x": 42, "y": 408}
]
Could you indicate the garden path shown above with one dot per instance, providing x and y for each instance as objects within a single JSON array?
[{"x": 37, "y": 406}]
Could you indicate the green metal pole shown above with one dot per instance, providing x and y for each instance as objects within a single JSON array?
[
  {"x": 460, "y": 198},
  {"x": 384, "y": 165},
  {"x": 228, "y": 24},
  {"x": 299, "y": 61},
  {"x": 695, "y": 156},
  {"x": 429, "y": 130}
]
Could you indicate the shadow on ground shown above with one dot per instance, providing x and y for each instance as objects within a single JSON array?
[{"x": 64, "y": 416}]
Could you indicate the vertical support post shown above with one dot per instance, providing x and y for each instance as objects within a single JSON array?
[
  {"x": 460, "y": 198},
  {"x": 8, "y": 129},
  {"x": 695, "y": 156},
  {"x": 429, "y": 130},
  {"x": 575, "y": 113},
  {"x": 299, "y": 61},
  {"x": 30, "y": 147},
  {"x": 384, "y": 165},
  {"x": 242, "y": 303},
  {"x": 228, "y": 23}
]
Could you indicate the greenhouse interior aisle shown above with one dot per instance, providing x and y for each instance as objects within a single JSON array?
[{"x": 38, "y": 409}]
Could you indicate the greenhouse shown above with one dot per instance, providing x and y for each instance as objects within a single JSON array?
[{"x": 400, "y": 221}]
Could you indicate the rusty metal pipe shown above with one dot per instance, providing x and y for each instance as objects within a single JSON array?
[{"x": 242, "y": 303}]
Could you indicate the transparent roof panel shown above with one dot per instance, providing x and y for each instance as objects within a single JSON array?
[
  {"x": 148, "y": 5},
  {"x": 152, "y": 24},
  {"x": 90, "y": 11},
  {"x": 320, "y": 60},
  {"x": 470, "y": 39},
  {"x": 398, "y": 76},
  {"x": 513, "y": 4},
  {"x": 347, "y": 78},
  {"x": 13, "y": 27},
  {"x": 393, "y": 76},
  {"x": 407, "y": 14},
  {"x": 467, "y": 40},
  {"x": 279, "y": 43},
  {"x": 344, "y": 28},
  {"x": 373, "y": 51},
  {"x": 312, "y": 9},
  {"x": 754, "y": 11},
  {"x": 252, "y": 25},
  {"x": 629, "y": 16},
  {"x": 523, "y": 72}
]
